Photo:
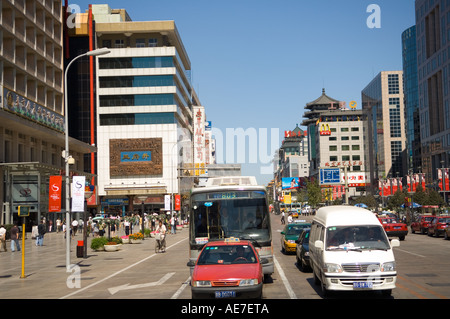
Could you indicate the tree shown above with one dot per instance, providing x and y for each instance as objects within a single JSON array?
[{"x": 314, "y": 193}]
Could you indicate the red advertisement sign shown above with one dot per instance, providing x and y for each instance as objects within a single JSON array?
[
  {"x": 177, "y": 202},
  {"x": 54, "y": 194}
]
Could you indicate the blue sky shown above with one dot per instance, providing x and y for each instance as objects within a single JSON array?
[{"x": 256, "y": 63}]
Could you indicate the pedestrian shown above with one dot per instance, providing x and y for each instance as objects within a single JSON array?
[
  {"x": 126, "y": 223},
  {"x": 3, "y": 238},
  {"x": 172, "y": 224},
  {"x": 74, "y": 227},
  {"x": 282, "y": 217},
  {"x": 41, "y": 233},
  {"x": 50, "y": 225},
  {"x": 14, "y": 235},
  {"x": 58, "y": 225},
  {"x": 113, "y": 228}
]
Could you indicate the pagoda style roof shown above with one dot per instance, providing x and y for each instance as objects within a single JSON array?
[{"x": 323, "y": 100}]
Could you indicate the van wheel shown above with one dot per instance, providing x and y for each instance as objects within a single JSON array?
[
  {"x": 316, "y": 279},
  {"x": 325, "y": 291}
]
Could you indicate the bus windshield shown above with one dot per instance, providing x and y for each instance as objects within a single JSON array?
[{"x": 237, "y": 213}]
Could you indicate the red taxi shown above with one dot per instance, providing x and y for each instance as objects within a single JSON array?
[
  {"x": 229, "y": 268},
  {"x": 438, "y": 225},
  {"x": 421, "y": 224},
  {"x": 393, "y": 227}
]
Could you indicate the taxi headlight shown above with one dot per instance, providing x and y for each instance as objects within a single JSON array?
[
  {"x": 291, "y": 241},
  {"x": 333, "y": 268},
  {"x": 248, "y": 282},
  {"x": 389, "y": 266},
  {"x": 202, "y": 283}
]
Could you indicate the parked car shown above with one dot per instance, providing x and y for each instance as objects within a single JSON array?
[
  {"x": 447, "y": 231},
  {"x": 303, "y": 250},
  {"x": 230, "y": 268},
  {"x": 437, "y": 225},
  {"x": 393, "y": 227},
  {"x": 421, "y": 224}
]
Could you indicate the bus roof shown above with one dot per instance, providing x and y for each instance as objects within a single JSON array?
[
  {"x": 341, "y": 215},
  {"x": 230, "y": 183},
  {"x": 231, "y": 180}
]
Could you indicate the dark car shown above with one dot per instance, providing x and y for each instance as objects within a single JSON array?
[
  {"x": 302, "y": 251},
  {"x": 437, "y": 225}
]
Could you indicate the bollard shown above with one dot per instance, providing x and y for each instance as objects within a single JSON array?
[{"x": 80, "y": 247}]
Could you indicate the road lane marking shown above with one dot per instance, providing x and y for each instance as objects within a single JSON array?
[
  {"x": 163, "y": 279},
  {"x": 117, "y": 272},
  {"x": 288, "y": 287},
  {"x": 180, "y": 290},
  {"x": 408, "y": 252}
]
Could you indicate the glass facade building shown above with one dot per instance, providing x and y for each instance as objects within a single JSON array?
[
  {"x": 433, "y": 63},
  {"x": 410, "y": 86}
]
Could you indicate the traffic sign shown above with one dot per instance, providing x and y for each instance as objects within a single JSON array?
[
  {"x": 24, "y": 211},
  {"x": 330, "y": 176}
]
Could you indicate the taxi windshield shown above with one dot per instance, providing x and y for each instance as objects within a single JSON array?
[
  {"x": 296, "y": 229},
  {"x": 356, "y": 238},
  {"x": 227, "y": 255}
]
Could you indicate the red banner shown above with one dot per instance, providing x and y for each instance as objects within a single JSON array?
[
  {"x": 177, "y": 202},
  {"x": 54, "y": 194}
]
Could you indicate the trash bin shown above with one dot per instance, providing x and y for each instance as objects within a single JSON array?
[{"x": 80, "y": 249}]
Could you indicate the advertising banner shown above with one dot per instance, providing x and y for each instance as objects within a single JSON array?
[
  {"x": 166, "y": 202},
  {"x": 54, "y": 194},
  {"x": 177, "y": 202},
  {"x": 78, "y": 183}
]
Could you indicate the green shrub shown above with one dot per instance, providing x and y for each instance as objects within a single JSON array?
[{"x": 99, "y": 242}]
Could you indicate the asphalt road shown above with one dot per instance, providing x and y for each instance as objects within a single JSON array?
[{"x": 137, "y": 272}]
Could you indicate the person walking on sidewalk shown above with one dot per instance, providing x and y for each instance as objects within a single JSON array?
[
  {"x": 14, "y": 233},
  {"x": 41, "y": 233},
  {"x": 3, "y": 238}
]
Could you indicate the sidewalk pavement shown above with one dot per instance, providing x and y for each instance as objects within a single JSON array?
[{"x": 45, "y": 266}]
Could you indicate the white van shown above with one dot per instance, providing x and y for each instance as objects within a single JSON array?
[{"x": 349, "y": 250}]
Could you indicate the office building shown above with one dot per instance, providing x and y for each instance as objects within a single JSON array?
[
  {"x": 433, "y": 61},
  {"x": 410, "y": 85},
  {"x": 32, "y": 133},
  {"x": 385, "y": 135},
  {"x": 145, "y": 111}
]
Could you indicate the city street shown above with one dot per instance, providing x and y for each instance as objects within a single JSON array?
[{"x": 136, "y": 272}]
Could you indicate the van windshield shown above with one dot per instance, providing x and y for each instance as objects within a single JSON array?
[{"x": 356, "y": 238}]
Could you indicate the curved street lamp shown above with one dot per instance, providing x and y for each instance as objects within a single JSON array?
[{"x": 67, "y": 157}]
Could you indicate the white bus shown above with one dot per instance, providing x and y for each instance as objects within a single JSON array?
[{"x": 231, "y": 207}]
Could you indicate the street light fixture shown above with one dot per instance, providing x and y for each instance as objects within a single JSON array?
[{"x": 67, "y": 157}]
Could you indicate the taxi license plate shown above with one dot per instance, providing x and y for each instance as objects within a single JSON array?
[
  {"x": 225, "y": 294},
  {"x": 363, "y": 285}
]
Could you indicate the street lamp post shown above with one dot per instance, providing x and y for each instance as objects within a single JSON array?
[{"x": 67, "y": 157}]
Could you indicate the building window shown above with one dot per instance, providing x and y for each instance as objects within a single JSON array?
[
  {"x": 137, "y": 100},
  {"x": 152, "y": 42},
  {"x": 345, "y": 157},
  {"x": 344, "y": 129},
  {"x": 355, "y": 147},
  {"x": 119, "y": 43},
  {"x": 345, "y": 147},
  {"x": 106, "y": 43},
  {"x": 332, "y": 138},
  {"x": 136, "y": 63},
  {"x": 393, "y": 84},
  {"x": 355, "y": 138},
  {"x": 344, "y": 138},
  {"x": 140, "y": 43},
  {"x": 356, "y": 157},
  {"x": 137, "y": 119},
  {"x": 333, "y": 148},
  {"x": 333, "y": 158}
]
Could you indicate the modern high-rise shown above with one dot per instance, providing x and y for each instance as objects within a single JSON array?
[
  {"x": 385, "y": 134},
  {"x": 145, "y": 110},
  {"x": 433, "y": 63},
  {"x": 32, "y": 133},
  {"x": 410, "y": 86}
]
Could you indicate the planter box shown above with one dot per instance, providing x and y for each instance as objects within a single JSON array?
[
  {"x": 125, "y": 240},
  {"x": 179, "y": 226},
  {"x": 112, "y": 247},
  {"x": 136, "y": 241}
]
